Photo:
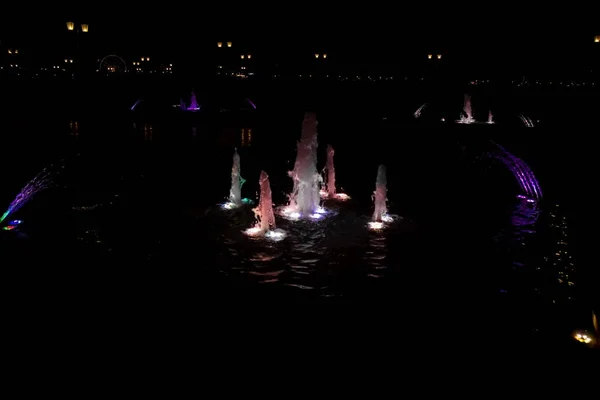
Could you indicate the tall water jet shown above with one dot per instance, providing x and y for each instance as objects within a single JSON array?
[
  {"x": 330, "y": 168},
  {"x": 194, "y": 106},
  {"x": 235, "y": 193},
  {"x": 490, "y": 118},
  {"x": 265, "y": 216},
  {"x": 380, "y": 195},
  {"x": 467, "y": 114},
  {"x": 41, "y": 181},
  {"x": 305, "y": 198}
]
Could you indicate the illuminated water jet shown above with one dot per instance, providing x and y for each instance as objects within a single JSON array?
[
  {"x": 380, "y": 214},
  {"x": 235, "y": 193},
  {"x": 305, "y": 196},
  {"x": 329, "y": 191},
  {"x": 194, "y": 106},
  {"x": 41, "y": 181},
  {"x": 417, "y": 113},
  {"x": 467, "y": 114},
  {"x": 490, "y": 118},
  {"x": 265, "y": 216}
]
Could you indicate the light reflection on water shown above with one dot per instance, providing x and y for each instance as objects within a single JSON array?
[{"x": 314, "y": 257}]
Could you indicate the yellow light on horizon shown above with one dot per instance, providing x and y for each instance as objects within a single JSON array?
[
  {"x": 229, "y": 44},
  {"x": 219, "y": 44},
  {"x": 84, "y": 27},
  {"x": 70, "y": 26}
]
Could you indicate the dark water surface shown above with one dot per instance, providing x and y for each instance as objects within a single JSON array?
[{"x": 135, "y": 215}]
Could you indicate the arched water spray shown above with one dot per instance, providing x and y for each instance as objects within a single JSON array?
[{"x": 527, "y": 181}]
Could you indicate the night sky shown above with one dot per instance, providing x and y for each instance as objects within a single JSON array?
[{"x": 383, "y": 34}]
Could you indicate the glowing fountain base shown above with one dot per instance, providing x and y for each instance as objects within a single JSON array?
[
  {"x": 385, "y": 220},
  {"x": 291, "y": 214},
  {"x": 529, "y": 200},
  {"x": 12, "y": 225},
  {"x": 274, "y": 235},
  {"x": 230, "y": 206},
  {"x": 338, "y": 196}
]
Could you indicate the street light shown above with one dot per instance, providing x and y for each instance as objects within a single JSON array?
[
  {"x": 70, "y": 26},
  {"x": 229, "y": 44},
  {"x": 316, "y": 55},
  {"x": 219, "y": 44},
  {"x": 84, "y": 27},
  {"x": 597, "y": 39}
]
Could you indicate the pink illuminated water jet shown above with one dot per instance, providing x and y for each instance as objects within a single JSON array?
[
  {"x": 264, "y": 211},
  {"x": 467, "y": 115},
  {"x": 305, "y": 197},
  {"x": 329, "y": 191},
  {"x": 330, "y": 168}
]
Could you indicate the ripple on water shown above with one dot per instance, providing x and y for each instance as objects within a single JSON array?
[{"x": 321, "y": 256}]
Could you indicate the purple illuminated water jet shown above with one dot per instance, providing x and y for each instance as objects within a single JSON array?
[
  {"x": 305, "y": 198},
  {"x": 41, "y": 181},
  {"x": 194, "y": 106},
  {"x": 526, "y": 179}
]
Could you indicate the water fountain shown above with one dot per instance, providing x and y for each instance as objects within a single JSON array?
[
  {"x": 194, "y": 106},
  {"x": 329, "y": 191},
  {"x": 235, "y": 192},
  {"x": 467, "y": 114},
  {"x": 41, "y": 181},
  {"x": 417, "y": 113},
  {"x": 305, "y": 197},
  {"x": 265, "y": 217},
  {"x": 380, "y": 214},
  {"x": 330, "y": 168},
  {"x": 490, "y": 118}
]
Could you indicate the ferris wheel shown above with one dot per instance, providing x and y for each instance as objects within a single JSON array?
[{"x": 112, "y": 64}]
